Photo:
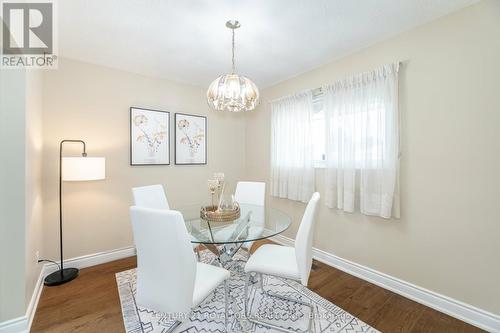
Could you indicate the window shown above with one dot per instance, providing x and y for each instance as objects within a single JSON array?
[
  {"x": 351, "y": 129},
  {"x": 372, "y": 123}
]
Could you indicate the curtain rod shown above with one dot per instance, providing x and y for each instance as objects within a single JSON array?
[{"x": 319, "y": 90}]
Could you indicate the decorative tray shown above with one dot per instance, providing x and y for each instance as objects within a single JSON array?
[{"x": 213, "y": 214}]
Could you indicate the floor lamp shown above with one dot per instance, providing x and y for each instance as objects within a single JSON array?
[{"x": 73, "y": 169}]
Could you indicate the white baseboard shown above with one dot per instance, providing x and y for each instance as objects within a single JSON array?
[
  {"x": 15, "y": 325},
  {"x": 93, "y": 259},
  {"x": 465, "y": 312},
  {"x": 23, "y": 324},
  {"x": 35, "y": 297}
]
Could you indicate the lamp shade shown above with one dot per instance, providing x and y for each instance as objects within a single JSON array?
[{"x": 83, "y": 168}]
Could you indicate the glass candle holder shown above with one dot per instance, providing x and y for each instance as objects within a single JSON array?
[
  {"x": 226, "y": 202},
  {"x": 212, "y": 187},
  {"x": 219, "y": 177}
]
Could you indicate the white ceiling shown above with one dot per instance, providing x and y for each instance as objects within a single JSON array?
[{"x": 187, "y": 41}]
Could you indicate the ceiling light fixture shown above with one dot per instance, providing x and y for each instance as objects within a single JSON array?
[{"x": 233, "y": 92}]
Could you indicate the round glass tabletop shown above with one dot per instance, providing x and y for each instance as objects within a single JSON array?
[{"x": 254, "y": 223}]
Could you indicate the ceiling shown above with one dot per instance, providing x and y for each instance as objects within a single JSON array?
[{"x": 187, "y": 41}]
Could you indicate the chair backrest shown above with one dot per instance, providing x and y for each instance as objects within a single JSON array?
[
  {"x": 303, "y": 241},
  {"x": 152, "y": 196},
  {"x": 166, "y": 264},
  {"x": 252, "y": 193}
]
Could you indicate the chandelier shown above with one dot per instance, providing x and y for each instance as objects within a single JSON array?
[{"x": 233, "y": 92}]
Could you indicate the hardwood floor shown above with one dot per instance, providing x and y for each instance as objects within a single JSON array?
[{"x": 91, "y": 304}]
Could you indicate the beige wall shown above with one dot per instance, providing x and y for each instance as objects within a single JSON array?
[
  {"x": 83, "y": 101},
  {"x": 20, "y": 189},
  {"x": 12, "y": 193},
  {"x": 34, "y": 140},
  {"x": 447, "y": 237}
]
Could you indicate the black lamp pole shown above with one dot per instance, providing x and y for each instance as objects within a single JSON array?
[{"x": 63, "y": 275}]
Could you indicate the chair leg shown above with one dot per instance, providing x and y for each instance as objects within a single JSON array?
[
  {"x": 197, "y": 250},
  {"x": 245, "y": 300},
  {"x": 285, "y": 298},
  {"x": 173, "y": 327},
  {"x": 226, "y": 304}
]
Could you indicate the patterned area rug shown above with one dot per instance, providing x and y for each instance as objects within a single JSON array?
[{"x": 209, "y": 316}]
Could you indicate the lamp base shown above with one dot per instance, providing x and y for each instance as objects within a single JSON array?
[{"x": 57, "y": 278}]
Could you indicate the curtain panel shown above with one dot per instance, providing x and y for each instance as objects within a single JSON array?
[
  {"x": 362, "y": 143},
  {"x": 292, "y": 168}
]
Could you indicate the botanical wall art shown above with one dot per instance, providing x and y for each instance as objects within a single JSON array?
[
  {"x": 149, "y": 137},
  {"x": 190, "y": 139}
]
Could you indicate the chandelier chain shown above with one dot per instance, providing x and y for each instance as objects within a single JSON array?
[{"x": 232, "y": 60}]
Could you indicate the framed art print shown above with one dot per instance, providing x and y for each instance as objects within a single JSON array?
[
  {"x": 149, "y": 137},
  {"x": 190, "y": 139}
]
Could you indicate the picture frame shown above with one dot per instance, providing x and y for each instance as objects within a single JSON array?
[
  {"x": 149, "y": 137},
  {"x": 190, "y": 139}
]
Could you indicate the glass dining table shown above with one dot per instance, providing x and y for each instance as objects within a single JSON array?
[{"x": 224, "y": 239}]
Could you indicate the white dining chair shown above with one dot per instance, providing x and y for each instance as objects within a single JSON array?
[
  {"x": 292, "y": 263},
  {"x": 169, "y": 279},
  {"x": 153, "y": 196},
  {"x": 252, "y": 193},
  {"x": 251, "y": 197}
]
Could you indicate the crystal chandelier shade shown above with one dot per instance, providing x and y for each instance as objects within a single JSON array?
[{"x": 233, "y": 92}]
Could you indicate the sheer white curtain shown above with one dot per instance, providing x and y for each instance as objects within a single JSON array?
[
  {"x": 362, "y": 143},
  {"x": 292, "y": 169}
]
